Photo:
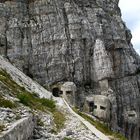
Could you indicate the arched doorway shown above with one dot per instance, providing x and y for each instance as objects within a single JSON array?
[
  {"x": 56, "y": 92},
  {"x": 91, "y": 106}
]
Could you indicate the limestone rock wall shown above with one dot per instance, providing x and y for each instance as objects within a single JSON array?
[
  {"x": 23, "y": 80},
  {"x": 74, "y": 40}
]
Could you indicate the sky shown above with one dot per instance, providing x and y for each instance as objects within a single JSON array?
[{"x": 131, "y": 15}]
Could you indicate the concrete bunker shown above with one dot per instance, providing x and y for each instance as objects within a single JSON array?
[
  {"x": 99, "y": 106},
  {"x": 69, "y": 90},
  {"x": 102, "y": 107},
  {"x": 131, "y": 117},
  {"x": 89, "y": 105}
]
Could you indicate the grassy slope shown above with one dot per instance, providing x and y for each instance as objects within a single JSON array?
[{"x": 29, "y": 99}]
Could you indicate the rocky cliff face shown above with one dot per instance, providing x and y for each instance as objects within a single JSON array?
[
  {"x": 81, "y": 41},
  {"x": 28, "y": 113}
]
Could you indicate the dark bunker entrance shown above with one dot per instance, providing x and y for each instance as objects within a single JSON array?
[
  {"x": 56, "y": 92},
  {"x": 91, "y": 106}
]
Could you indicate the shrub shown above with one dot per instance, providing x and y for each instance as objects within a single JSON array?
[
  {"x": 59, "y": 119},
  {"x": 6, "y": 103},
  {"x": 35, "y": 102},
  {"x": 47, "y": 103},
  {"x": 66, "y": 138},
  {"x": 27, "y": 99}
]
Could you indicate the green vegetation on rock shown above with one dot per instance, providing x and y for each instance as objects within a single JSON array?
[
  {"x": 31, "y": 100},
  {"x": 6, "y": 103},
  {"x": 66, "y": 138},
  {"x": 35, "y": 102},
  {"x": 59, "y": 119},
  {"x": 6, "y": 79},
  {"x": 25, "y": 97}
]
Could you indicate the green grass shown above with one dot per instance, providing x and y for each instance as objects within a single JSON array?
[
  {"x": 118, "y": 135},
  {"x": 25, "y": 97},
  {"x": 7, "y": 80},
  {"x": 101, "y": 126},
  {"x": 6, "y": 103},
  {"x": 32, "y": 100},
  {"x": 66, "y": 138},
  {"x": 59, "y": 119},
  {"x": 48, "y": 103}
]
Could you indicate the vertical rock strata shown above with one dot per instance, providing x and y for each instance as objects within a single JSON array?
[{"x": 84, "y": 41}]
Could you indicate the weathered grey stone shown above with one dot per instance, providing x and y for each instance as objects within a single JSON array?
[
  {"x": 23, "y": 80},
  {"x": 84, "y": 41},
  {"x": 20, "y": 130},
  {"x": 102, "y": 107},
  {"x": 99, "y": 106},
  {"x": 69, "y": 92}
]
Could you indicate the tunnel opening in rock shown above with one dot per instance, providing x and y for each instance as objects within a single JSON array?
[
  {"x": 68, "y": 92},
  {"x": 56, "y": 92},
  {"x": 95, "y": 106},
  {"x": 131, "y": 115},
  {"x": 26, "y": 70},
  {"x": 91, "y": 106},
  {"x": 102, "y": 108}
]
